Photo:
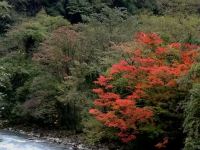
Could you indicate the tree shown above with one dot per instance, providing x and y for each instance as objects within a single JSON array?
[
  {"x": 131, "y": 88},
  {"x": 178, "y": 6},
  {"x": 192, "y": 108},
  {"x": 192, "y": 120},
  {"x": 134, "y": 5},
  {"x": 31, "y": 7},
  {"x": 5, "y": 87},
  {"x": 5, "y": 16},
  {"x": 26, "y": 36}
]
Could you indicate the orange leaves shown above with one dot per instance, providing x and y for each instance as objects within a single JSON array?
[
  {"x": 149, "y": 73},
  {"x": 102, "y": 80},
  {"x": 175, "y": 45},
  {"x": 98, "y": 91},
  {"x": 160, "y": 50},
  {"x": 122, "y": 114},
  {"x": 149, "y": 38},
  {"x": 171, "y": 83},
  {"x": 188, "y": 56},
  {"x": 94, "y": 112},
  {"x": 122, "y": 66},
  {"x": 145, "y": 61},
  {"x": 109, "y": 96},
  {"x": 154, "y": 81},
  {"x": 124, "y": 103},
  {"x": 116, "y": 123},
  {"x": 137, "y": 93}
]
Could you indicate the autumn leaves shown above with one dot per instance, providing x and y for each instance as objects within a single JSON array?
[{"x": 150, "y": 72}]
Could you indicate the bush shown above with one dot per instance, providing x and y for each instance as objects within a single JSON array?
[
  {"x": 96, "y": 133},
  {"x": 178, "y": 6},
  {"x": 192, "y": 111},
  {"x": 5, "y": 16},
  {"x": 173, "y": 29},
  {"x": 26, "y": 37},
  {"x": 30, "y": 7},
  {"x": 130, "y": 94}
]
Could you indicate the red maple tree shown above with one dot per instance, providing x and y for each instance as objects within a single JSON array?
[{"x": 149, "y": 72}]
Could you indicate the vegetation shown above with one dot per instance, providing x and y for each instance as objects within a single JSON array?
[
  {"x": 5, "y": 16},
  {"x": 131, "y": 93},
  {"x": 140, "y": 59}
]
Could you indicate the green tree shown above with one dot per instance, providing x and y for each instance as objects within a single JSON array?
[
  {"x": 134, "y": 6},
  {"x": 5, "y": 16},
  {"x": 178, "y": 7},
  {"x": 30, "y": 7},
  {"x": 192, "y": 110},
  {"x": 26, "y": 36}
]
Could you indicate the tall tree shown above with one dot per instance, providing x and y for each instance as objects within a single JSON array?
[{"x": 5, "y": 16}]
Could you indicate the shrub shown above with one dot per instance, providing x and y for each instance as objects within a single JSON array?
[
  {"x": 30, "y": 7},
  {"x": 26, "y": 37},
  {"x": 191, "y": 108},
  {"x": 178, "y": 28},
  {"x": 5, "y": 16},
  {"x": 192, "y": 119},
  {"x": 130, "y": 89}
]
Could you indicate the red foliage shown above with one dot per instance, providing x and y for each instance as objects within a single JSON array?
[
  {"x": 122, "y": 66},
  {"x": 102, "y": 80},
  {"x": 160, "y": 50},
  {"x": 149, "y": 38},
  {"x": 147, "y": 69},
  {"x": 175, "y": 45}
]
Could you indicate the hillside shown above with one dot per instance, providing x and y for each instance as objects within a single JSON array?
[{"x": 122, "y": 73}]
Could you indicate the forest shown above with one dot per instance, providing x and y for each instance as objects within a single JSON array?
[{"x": 121, "y": 73}]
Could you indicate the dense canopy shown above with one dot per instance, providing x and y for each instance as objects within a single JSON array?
[{"x": 122, "y": 73}]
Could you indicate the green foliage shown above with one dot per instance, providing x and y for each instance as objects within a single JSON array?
[
  {"x": 76, "y": 55},
  {"x": 5, "y": 16},
  {"x": 192, "y": 111},
  {"x": 85, "y": 10},
  {"x": 4, "y": 78},
  {"x": 67, "y": 54},
  {"x": 134, "y": 6},
  {"x": 178, "y": 28},
  {"x": 31, "y": 7},
  {"x": 47, "y": 67},
  {"x": 26, "y": 36},
  {"x": 178, "y": 6},
  {"x": 94, "y": 131},
  {"x": 40, "y": 103},
  {"x": 80, "y": 10},
  {"x": 28, "y": 93},
  {"x": 17, "y": 72},
  {"x": 55, "y": 7},
  {"x": 5, "y": 86},
  {"x": 192, "y": 119}
]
